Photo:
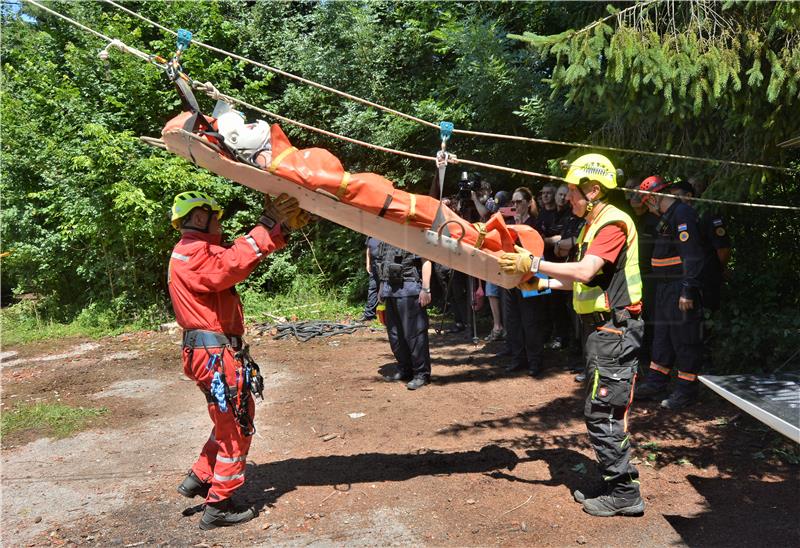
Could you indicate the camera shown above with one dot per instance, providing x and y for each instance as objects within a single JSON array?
[{"x": 468, "y": 184}]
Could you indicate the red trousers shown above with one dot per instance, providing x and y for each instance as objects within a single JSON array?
[{"x": 223, "y": 458}]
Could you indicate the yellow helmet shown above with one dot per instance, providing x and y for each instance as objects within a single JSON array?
[
  {"x": 185, "y": 202},
  {"x": 592, "y": 167}
]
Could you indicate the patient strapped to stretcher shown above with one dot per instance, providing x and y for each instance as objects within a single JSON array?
[{"x": 320, "y": 171}]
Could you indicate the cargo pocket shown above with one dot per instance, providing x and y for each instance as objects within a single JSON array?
[{"x": 611, "y": 383}]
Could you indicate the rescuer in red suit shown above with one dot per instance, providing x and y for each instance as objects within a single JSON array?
[{"x": 202, "y": 277}]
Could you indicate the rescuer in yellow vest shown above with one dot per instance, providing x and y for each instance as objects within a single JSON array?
[{"x": 607, "y": 292}]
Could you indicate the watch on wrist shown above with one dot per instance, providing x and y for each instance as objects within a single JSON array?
[
  {"x": 426, "y": 289},
  {"x": 268, "y": 222}
]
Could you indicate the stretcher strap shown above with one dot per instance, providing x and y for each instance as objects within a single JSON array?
[
  {"x": 385, "y": 205},
  {"x": 481, "y": 227},
  {"x": 273, "y": 167},
  {"x": 343, "y": 185},
  {"x": 412, "y": 208}
]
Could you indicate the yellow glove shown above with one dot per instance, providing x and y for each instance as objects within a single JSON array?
[
  {"x": 534, "y": 284},
  {"x": 519, "y": 262},
  {"x": 300, "y": 220},
  {"x": 281, "y": 208}
]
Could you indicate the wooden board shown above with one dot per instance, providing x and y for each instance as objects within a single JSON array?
[{"x": 425, "y": 243}]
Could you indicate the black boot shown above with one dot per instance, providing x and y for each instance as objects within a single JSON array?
[
  {"x": 224, "y": 514},
  {"x": 191, "y": 486}
]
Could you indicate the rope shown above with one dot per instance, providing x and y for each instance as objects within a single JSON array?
[
  {"x": 710, "y": 200},
  {"x": 306, "y": 330},
  {"x": 216, "y": 94},
  {"x": 436, "y": 126}
]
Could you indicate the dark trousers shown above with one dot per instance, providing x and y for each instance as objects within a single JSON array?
[
  {"x": 648, "y": 315},
  {"x": 612, "y": 358},
  {"x": 407, "y": 327},
  {"x": 525, "y": 329},
  {"x": 558, "y": 324},
  {"x": 460, "y": 297},
  {"x": 370, "y": 309},
  {"x": 677, "y": 338}
]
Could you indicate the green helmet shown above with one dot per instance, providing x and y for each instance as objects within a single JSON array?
[{"x": 185, "y": 202}]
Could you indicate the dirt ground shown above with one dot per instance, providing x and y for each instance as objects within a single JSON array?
[{"x": 479, "y": 457}]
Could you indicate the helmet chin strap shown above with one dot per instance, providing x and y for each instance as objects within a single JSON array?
[{"x": 590, "y": 204}]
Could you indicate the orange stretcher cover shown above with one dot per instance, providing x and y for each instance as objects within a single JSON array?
[{"x": 365, "y": 202}]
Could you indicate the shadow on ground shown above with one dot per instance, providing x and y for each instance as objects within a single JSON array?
[
  {"x": 266, "y": 483},
  {"x": 737, "y": 507}
]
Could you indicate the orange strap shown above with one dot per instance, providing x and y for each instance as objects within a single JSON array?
[
  {"x": 660, "y": 368},
  {"x": 614, "y": 331},
  {"x": 669, "y": 261},
  {"x": 687, "y": 376},
  {"x": 273, "y": 167},
  {"x": 343, "y": 185}
]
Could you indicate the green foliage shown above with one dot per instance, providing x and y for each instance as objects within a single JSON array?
[
  {"x": 675, "y": 77},
  {"x": 56, "y": 419}
]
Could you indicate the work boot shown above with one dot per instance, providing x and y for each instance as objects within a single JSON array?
[
  {"x": 678, "y": 400},
  {"x": 649, "y": 391},
  {"x": 224, "y": 514},
  {"x": 418, "y": 382},
  {"x": 398, "y": 376},
  {"x": 191, "y": 486},
  {"x": 590, "y": 493},
  {"x": 609, "y": 505}
]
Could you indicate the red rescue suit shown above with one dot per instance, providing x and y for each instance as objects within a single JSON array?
[{"x": 202, "y": 278}]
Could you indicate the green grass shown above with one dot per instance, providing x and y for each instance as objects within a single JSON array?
[
  {"x": 53, "y": 418},
  {"x": 305, "y": 300}
]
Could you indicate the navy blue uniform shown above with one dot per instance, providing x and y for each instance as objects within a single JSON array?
[
  {"x": 715, "y": 234},
  {"x": 372, "y": 291},
  {"x": 406, "y": 320},
  {"x": 678, "y": 263}
]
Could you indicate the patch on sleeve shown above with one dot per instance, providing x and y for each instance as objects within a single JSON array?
[
  {"x": 717, "y": 222},
  {"x": 683, "y": 236},
  {"x": 681, "y": 227},
  {"x": 720, "y": 231}
]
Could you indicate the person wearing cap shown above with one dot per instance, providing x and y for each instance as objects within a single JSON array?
[
  {"x": 678, "y": 262},
  {"x": 202, "y": 278},
  {"x": 607, "y": 292}
]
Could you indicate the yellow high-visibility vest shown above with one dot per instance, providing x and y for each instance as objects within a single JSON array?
[{"x": 625, "y": 287}]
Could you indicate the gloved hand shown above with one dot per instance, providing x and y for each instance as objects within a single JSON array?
[
  {"x": 279, "y": 210},
  {"x": 519, "y": 262},
  {"x": 300, "y": 220},
  {"x": 534, "y": 284}
]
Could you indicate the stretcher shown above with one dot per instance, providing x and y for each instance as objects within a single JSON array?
[
  {"x": 364, "y": 202},
  {"x": 772, "y": 399}
]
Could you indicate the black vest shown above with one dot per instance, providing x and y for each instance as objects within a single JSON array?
[{"x": 395, "y": 265}]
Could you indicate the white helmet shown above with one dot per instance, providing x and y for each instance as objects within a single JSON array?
[{"x": 244, "y": 138}]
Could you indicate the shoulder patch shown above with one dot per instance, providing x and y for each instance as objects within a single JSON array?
[
  {"x": 720, "y": 231},
  {"x": 682, "y": 227},
  {"x": 717, "y": 222},
  {"x": 683, "y": 236}
]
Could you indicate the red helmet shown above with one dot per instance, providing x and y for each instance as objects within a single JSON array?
[{"x": 654, "y": 183}]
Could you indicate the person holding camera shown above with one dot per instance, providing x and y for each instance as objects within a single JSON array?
[{"x": 406, "y": 291}]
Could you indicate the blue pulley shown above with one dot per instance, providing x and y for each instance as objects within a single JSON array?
[
  {"x": 184, "y": 38},
  {"x": 446, "y": 130}
]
